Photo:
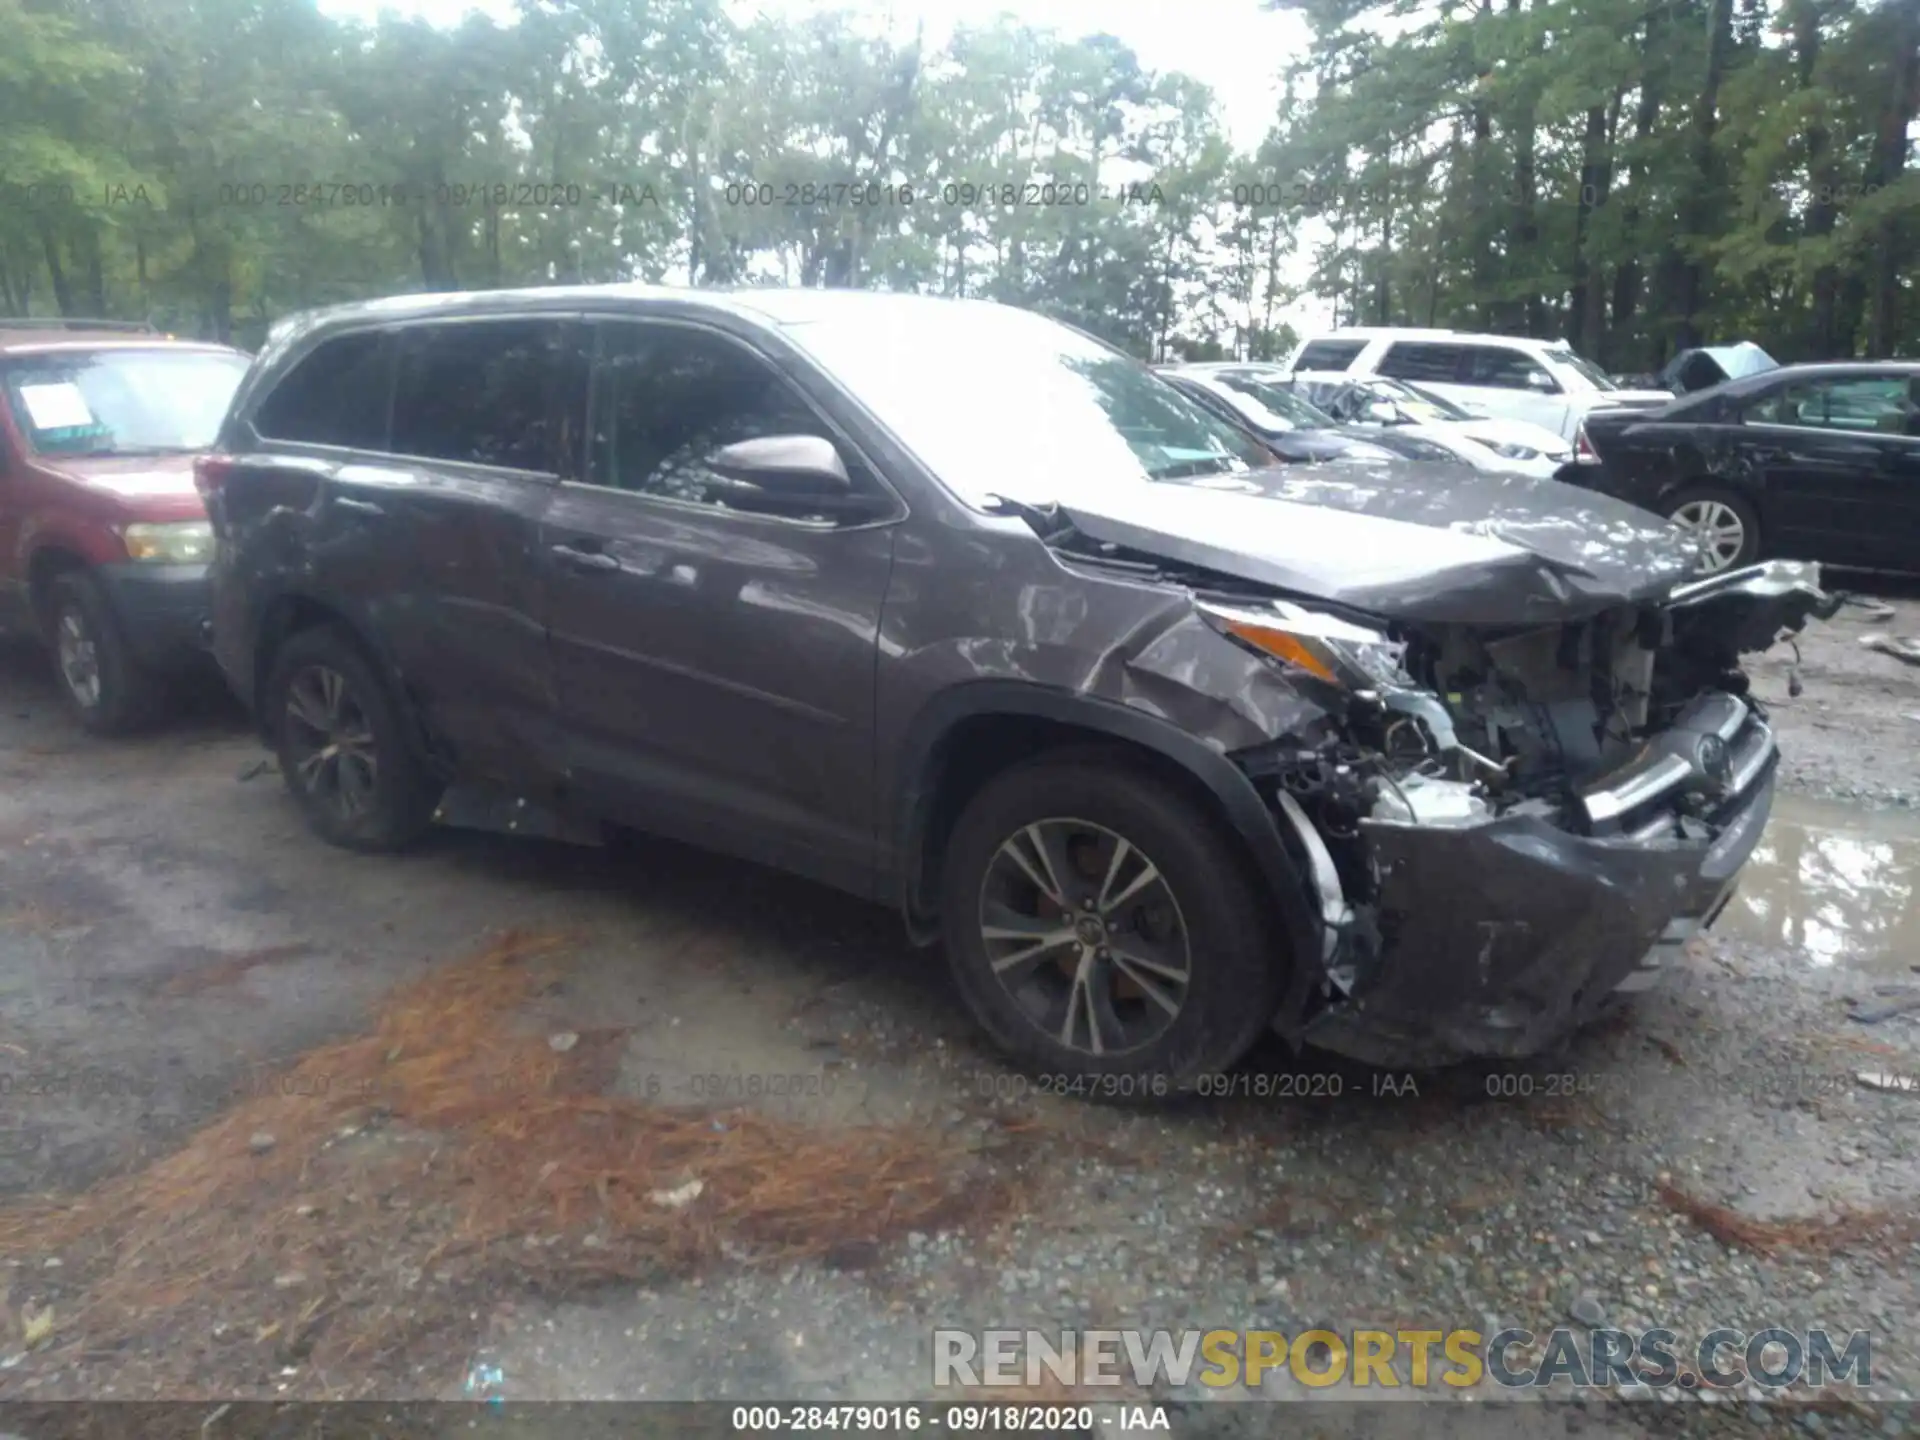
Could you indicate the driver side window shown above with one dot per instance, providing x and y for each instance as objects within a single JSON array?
[{"x": 666, "y": 397}]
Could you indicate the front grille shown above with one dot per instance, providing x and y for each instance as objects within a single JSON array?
[{"x": 1641, "y": 799}]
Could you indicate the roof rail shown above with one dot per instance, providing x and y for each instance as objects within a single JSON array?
[{"x": 71, "y": 322}]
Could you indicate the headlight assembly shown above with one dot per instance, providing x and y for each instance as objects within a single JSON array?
[
  {"x": 1508, "y": 451},
  {"x": 1331, "y": 650},
  {"x": 184, "y": 542}
]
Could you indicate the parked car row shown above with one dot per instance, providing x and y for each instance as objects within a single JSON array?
[{"x": 1167, "y": 739}]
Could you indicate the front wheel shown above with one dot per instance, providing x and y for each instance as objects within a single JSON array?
[
  {"x": 1104, "y": 926},
  {"x": 109, "y": 691},
  {"x": 342, "y": 745},
  {"x": 1725, "y": 525}
]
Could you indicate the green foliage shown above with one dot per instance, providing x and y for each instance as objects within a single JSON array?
[
  {"x": 1632, "y": 174},
  {"x": 221, "y": 163}
]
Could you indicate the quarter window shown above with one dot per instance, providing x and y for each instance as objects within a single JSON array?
[
  {"x": 1885, "y": 405},
  {"x": 666, "y": 398},
  {"x": 338, "y": 395},
  {"x": 1423, "y": 360},
  {"x": 479, "y": 393}
]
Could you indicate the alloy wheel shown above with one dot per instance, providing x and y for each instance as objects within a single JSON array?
[
  {"x": 1719, "y": 529},
  {"x": 330, "y": 741},
  {"x": 1086, "y": 935},
  {"x": 79, "y": 656}
]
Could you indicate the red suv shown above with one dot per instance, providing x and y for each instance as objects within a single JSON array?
[{"x": 103, "y": 539}]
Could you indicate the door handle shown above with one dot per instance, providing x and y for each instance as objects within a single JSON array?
[
  {"x": 584, "y": 559},
  {"x": 358, "y": 507}
]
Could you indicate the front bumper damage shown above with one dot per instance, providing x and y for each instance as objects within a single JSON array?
[
  {"x": 1496, "y": 935},
  {"x": 1498, "y": 939}
]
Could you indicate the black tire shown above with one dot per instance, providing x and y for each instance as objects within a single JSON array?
[
  {"x": 1702, "y": 496},
  {"x": 1236, "y": 963},
  {"x": 108, "y": 690},
  {"x": 387, "y": 810}
]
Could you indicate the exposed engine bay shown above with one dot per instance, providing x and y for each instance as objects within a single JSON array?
[{"x": 1512, "y": 781}]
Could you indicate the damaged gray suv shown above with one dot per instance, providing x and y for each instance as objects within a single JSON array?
[{"x": 955, "y": 608}]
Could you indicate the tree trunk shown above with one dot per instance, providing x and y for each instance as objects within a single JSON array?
[
  {"x": 1586, "y": 312},
  {"x": 1479, "y": 162},
  {"x": 1382, "y": 284},
  {"x": 1689, "y": 274},
  {"x": 1529, "y": 313},
  {"x": 96, "y": 278},
  {"x": 50, "y": 246},
  {"x": 1626, "y": 280},
  {"x": 1822, "y": 335},
  {"x": 1889, "y": 160}
]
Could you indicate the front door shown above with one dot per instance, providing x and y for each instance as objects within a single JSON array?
[
  {"x": 715, "y": 665},
  {"x": 1840, "y": 458}
]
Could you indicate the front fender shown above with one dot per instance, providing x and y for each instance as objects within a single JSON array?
[{"x": 922, "y": 758}]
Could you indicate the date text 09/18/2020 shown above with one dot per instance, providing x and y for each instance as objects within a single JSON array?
[{"x": 912, "y": 1417}]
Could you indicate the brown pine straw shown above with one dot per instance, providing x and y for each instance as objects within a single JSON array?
[
  {"x": 429, "y": 1164},
  {"x": 1815, "y": 1233}
]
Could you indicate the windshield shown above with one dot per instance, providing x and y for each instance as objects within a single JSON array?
[
  {"x": 1585, "y": 369},
  {"x": 1284, "y": 409},
  {"x": 997, "y": 401},
  {"x": 116, "y": 402}
]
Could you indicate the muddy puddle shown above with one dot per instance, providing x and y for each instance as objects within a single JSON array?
[{"x": 1835, "y": 883}]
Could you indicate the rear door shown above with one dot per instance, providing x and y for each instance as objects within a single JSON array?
[
  {"x": 426, "y": 528},
  {"x": 1840, "y": 460},
  {"x": 715, "y": 665}
]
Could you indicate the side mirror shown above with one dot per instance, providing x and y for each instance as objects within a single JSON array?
[
  {"x": 1540, "y": 380},
  {"x": 790, "y": 466},
  {"x": 1382, "y": 412}
]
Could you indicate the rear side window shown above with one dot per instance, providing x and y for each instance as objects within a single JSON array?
[
  {"x": 479, "y": 393},
  {"x": 336, "y": 396},
  {"x": 1329, "y": 354},
  {"x": 1423, "y": 360}
]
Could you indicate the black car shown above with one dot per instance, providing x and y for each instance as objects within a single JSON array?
[{"x": 1815, "y": 462}]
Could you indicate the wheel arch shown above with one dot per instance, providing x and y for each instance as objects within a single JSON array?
[
  {"x": 48, "y": 562},
  {"x": 969, "y": 734},
  {"x": 1700, "y": 483},
  {"x": 292, "y": 612}
]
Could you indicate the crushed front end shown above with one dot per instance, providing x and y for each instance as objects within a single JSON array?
[{"x": 1504, "y": 828}]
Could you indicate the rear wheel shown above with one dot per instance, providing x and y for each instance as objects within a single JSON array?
[
  {"x": 343, "y": 747},
  {"x": 1102, "y": 925},
  {"x": 109, "y": 691},
  {"x": 1725, "y": 525}
]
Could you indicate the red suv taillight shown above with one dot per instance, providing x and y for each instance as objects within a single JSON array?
[{"x": 1583, "y": 451}]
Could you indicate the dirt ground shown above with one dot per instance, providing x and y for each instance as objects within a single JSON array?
[{"x": 282, "y": 1123}]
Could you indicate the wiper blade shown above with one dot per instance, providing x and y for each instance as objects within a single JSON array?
[
  {"x": 1046, "y": 522},
  {"x": 1184, "y": 469}
]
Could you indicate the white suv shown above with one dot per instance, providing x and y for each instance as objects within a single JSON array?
[{"x": 1541, "y": 381}]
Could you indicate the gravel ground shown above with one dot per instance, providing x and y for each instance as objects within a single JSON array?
[{"x": 1551, "y": 1194}]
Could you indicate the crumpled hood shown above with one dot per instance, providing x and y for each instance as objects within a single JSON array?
[{"x": 1427, "y": 542}]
